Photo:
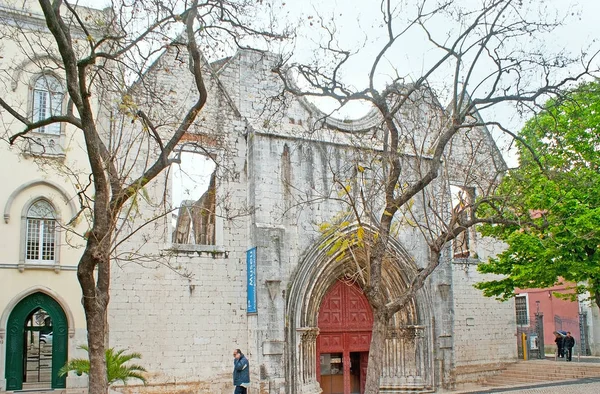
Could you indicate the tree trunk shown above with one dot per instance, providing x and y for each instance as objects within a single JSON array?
[
  {"x": 95, "y": 305},
  {"x": 96, "y": 329},
  {"x": 376, "y": 352}
]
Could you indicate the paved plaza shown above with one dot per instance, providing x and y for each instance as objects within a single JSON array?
[{"x": 581, "y": 386}]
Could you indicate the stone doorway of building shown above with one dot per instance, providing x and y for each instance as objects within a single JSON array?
[
  {"x": 36, "y": 342},
  {"x": 345, "y": 323}
]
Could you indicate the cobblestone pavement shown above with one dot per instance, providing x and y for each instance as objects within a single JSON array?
[{"x": 581, "y": 386}]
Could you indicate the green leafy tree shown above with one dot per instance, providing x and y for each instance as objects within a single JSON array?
[
  {"x": 116, "y": 370},
  {"x": 553, "y": 228}
]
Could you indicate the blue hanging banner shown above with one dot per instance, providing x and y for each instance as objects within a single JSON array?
[{"x": 251, "y": 270}]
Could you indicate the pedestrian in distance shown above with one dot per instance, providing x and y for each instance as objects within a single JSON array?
[
  {"x": 241, "y": 372},
  {"x": 559, "y": 340},
  {"x": 568, "y": 345}
]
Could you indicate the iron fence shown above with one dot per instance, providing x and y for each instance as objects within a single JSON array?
[
  {"x": 578, "y": 329},
  {"x": 530, "y": 337}
]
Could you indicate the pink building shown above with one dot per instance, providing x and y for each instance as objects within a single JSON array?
[{"x": 559, "y": 314}]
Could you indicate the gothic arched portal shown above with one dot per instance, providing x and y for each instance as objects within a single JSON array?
[
  {"x": 408, "y": 363},
  {"x": 21, "y": 339}
]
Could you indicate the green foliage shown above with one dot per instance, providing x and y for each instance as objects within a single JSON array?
[
  {"x": 554, "y": 203},
  {"x": 340, "y": 240},
  {"x": 116, "y": 369}
]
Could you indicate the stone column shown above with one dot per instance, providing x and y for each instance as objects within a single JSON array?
[
  {"x": 405, "y": 365},
  {"x": 307, "y": 360}
]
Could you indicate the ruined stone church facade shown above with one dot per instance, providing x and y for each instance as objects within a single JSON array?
[
  {"x": 246, "y": 263},
  {"x": 297, "y": 315}
]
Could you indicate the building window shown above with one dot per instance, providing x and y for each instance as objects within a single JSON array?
[
  {"x": 48, "y": 97},
  {"x": 40, "y": 245},
  {"x": 521, "y": 311}
]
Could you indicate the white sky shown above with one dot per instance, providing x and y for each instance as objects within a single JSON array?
[
  {"x": 358, "y": 24},
  {"x": 190, "y": 179}
]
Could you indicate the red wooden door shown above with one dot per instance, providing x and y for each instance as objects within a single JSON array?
[{"x": 345, "y": 323}]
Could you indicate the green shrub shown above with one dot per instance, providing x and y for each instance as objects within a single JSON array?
[{"x": 116, "y": 370}]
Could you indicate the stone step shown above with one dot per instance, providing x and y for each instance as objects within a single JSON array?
[
  {"x": 552, "y": 371},
  {"x": 524, "y": 372},
  {"x": 541, "y": 376},
  {"x": 34, "y": 391},
  {"x": 515, "y": 382},
  {"x": 501, "y": 382},
  {"x": 555, "y": 367}
]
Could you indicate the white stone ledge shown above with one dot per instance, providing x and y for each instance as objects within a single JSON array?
[
  {"x": 214, "y": 250},
  {"x": 27, "y": 266}
]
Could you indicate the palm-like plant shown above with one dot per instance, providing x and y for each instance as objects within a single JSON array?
[{"x": 116, "y": 370}]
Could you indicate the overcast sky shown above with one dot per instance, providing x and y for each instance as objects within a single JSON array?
[{"x": 358, "y": 24}]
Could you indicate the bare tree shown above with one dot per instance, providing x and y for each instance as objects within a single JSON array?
[
  {"x": 488, "y": 57},
  {"x": 101, "y": 57}
]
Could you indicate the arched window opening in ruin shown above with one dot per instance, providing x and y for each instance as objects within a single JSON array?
[
  {"x": 462, "y": 203},
  {"x": 193, "y": 198}
]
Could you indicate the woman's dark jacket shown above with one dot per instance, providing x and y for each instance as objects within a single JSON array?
[{"x": 559, "y": 340}]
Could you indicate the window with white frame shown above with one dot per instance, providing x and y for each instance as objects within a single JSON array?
[
  {"x": 48, "y": 98},
  {"x": 40, "y": 243},
  {"x": 521, "y": 310}
]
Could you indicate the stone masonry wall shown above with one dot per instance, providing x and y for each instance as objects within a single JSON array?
[
  {"x": 184, "y": 308},
  {"x": 484, "y": 329}
]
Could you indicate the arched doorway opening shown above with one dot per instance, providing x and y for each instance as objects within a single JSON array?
[
  {"x": 36, "y": 341},
  {"x": 408, "y": 361},
  {"x": 345, "y": 321}
]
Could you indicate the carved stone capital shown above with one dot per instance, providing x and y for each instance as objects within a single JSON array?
[
  {"x": 406, "y": 332},
  {"x": 308, "y": 334}
]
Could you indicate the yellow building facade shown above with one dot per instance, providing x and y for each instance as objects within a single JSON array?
[{"x": 42, "y": 321}]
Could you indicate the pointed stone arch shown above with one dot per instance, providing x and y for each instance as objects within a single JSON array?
[
  {"x": 15, "y": 330},
  {"x": 409, "y": 329},
  {"x": 32, "y": 290},
  {"x": 44, "y": 59},
  {"x": 39, "y": 182}
]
